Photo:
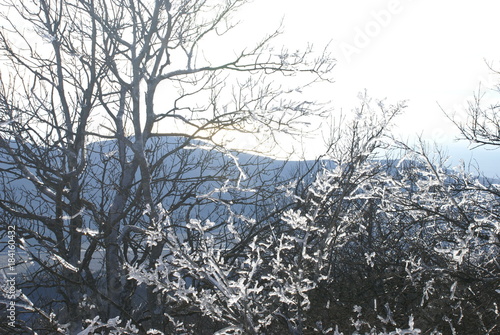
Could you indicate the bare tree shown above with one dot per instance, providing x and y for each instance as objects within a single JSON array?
[
  {"x": 126, "y": 72},
  {"x": 482, "y": 123},
  {"x": 371, "y": 244},
  {"x": 269, "y": 281}
]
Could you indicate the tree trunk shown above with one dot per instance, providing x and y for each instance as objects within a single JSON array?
[{"x": 115, "y": 273}]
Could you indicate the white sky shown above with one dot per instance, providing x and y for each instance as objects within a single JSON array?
[{"x": 426, "y": 52}]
